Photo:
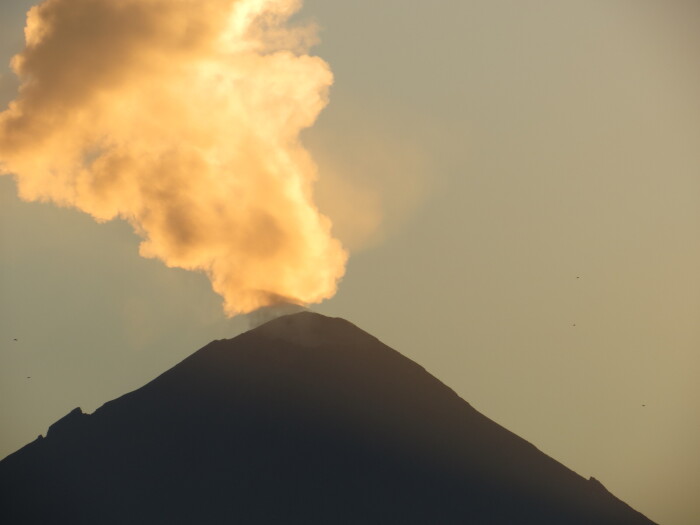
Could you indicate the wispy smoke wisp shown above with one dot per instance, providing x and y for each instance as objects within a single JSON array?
[{"x": 183, "y": 118}]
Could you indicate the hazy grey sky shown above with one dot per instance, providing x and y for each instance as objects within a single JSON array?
[{"x": 538, "y": 167}]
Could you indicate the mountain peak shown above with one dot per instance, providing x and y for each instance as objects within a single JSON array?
[{"x": 308, "y": 327}]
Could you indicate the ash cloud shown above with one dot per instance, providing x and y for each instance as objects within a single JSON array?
[{"x": 183, "y": 118}]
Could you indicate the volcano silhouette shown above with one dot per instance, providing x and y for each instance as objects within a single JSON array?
[{"x": 303, "y": 420}]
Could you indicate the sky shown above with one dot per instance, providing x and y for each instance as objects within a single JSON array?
[{"x": 528, "y": 180}]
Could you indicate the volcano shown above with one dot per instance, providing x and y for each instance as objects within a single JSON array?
[{"x": 304, "y": 420}]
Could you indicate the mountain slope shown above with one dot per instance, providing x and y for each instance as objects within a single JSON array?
[{"x": 306, "y": 419}]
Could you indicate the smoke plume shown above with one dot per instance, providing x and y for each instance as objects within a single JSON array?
[{"x": 183, "y": 118}]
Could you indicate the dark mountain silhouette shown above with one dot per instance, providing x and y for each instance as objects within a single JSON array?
[{"x": 303, "y": 420}]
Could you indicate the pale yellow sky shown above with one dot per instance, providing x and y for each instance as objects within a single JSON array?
[{"x": 538, "y": 168}]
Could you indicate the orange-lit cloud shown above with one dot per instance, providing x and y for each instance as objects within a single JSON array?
[{"x": 183, "y": 118}]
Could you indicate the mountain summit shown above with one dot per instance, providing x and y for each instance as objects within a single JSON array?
[{"x": 303, "y": 420}]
